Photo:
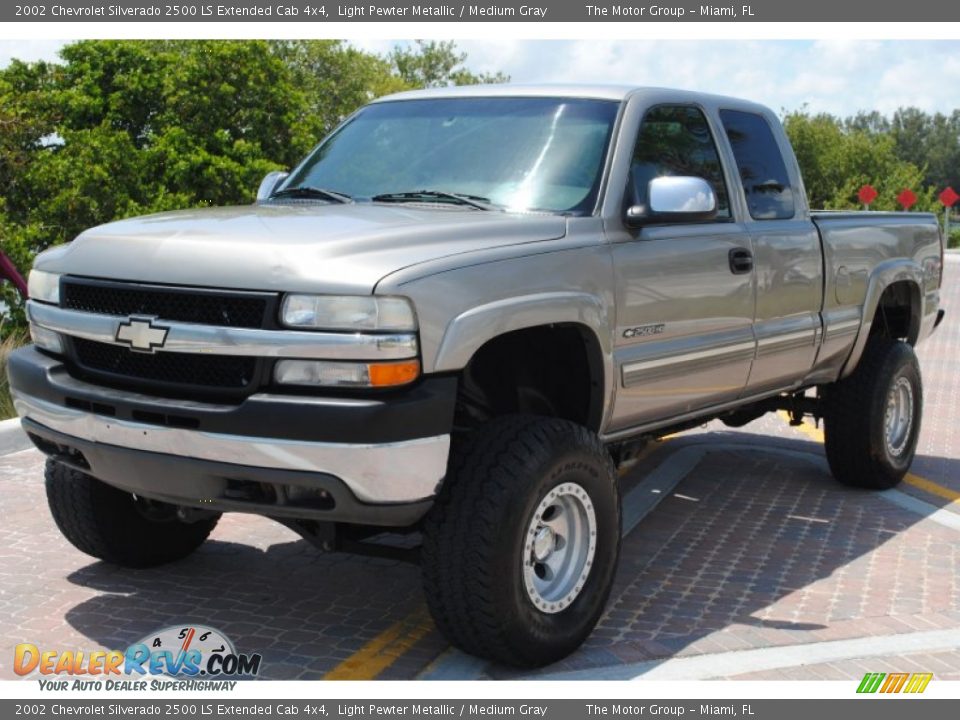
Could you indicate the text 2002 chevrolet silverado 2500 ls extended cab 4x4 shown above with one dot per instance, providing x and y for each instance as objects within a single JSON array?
[{"x": 454, "y": 316}]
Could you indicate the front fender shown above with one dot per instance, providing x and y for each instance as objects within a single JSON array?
[{"x": 470, "y": 330}]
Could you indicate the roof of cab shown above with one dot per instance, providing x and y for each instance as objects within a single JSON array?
[
  {"x": 595, "y": 92},
  {"x": 598, "y": 92}
]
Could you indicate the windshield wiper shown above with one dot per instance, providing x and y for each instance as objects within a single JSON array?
[
  {"x": 310, "y": 191},
  {"x": 476, "y": 201}
]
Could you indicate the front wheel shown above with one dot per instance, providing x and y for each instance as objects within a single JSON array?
[
  {"x": 872, "y": 418},
  {"x": 520, "y": 550}
]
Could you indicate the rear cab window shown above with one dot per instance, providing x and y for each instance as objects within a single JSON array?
[{"x": 763, "y": 173}]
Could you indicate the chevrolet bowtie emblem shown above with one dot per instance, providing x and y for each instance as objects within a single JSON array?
[{"x": 141, "y": 334}]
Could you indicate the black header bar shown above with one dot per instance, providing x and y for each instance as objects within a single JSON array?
[{"x": 322, "y": 11}]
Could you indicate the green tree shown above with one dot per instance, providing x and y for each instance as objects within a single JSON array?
[
  {"x": 931, "y": 142},
  {"x": 837, "y": 159},
  {"x": 872, "y": 123},
  {"x": 335, "y": 80},
  {"x": 436, "y": 63}
]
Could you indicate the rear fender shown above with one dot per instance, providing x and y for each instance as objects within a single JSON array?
[{"x": 882, "y": 277}]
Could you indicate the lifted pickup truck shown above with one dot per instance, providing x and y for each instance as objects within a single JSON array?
[{"x": 454, "y": 317}]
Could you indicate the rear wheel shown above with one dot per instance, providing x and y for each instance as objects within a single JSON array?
[
  {"x": 872, "y": 418},
  {"x": 520, "y": 550},
  {"x": 117, "y": 527}
]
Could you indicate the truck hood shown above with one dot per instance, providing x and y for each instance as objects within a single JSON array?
[{"x": 303, "y": 247}]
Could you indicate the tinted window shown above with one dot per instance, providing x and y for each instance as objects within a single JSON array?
[
  {"x": 676, "y": 141},
  {"x": 760, "y": 162}
]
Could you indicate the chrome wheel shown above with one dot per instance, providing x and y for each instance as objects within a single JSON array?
[
  {"x": 559, "y": 546},
  {"x": 898, "y": 419}
]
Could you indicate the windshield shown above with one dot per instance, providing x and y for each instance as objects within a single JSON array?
[{"x": 518, "y": 153}]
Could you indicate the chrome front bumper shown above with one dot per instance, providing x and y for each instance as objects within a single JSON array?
[{"x": 398, "y": 472}]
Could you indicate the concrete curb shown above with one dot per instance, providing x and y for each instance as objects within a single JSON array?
[{"x": 12, "y": 437}]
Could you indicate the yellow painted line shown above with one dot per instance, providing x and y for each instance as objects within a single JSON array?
[
  {"x": 933, "y": 488},
  {"x": 385, "y": 649},
  {"x": 916, "y": 481}
]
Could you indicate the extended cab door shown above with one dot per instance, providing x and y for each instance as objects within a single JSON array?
[
  {"x": 684, "y": 291},
  {"x": 786, "y": 248}
]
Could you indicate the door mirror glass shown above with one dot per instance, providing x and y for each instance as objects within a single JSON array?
[
  {"x": 270, "y": 183},
  {"x": 675, "y": 199},
  {"x": 682, "y": 195}
]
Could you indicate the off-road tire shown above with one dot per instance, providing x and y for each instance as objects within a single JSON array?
[
  {"x": 474, "y": 539},
  {"x": 108, "y": 523},
  {"x": 856, "y": 414}
]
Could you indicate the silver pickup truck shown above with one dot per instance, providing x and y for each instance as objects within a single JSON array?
[{"x": 455, "y": 317}]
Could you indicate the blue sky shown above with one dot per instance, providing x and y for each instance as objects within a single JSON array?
[{"x": 834, "y": 76}]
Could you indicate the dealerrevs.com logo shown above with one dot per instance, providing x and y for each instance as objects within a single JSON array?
[
  {"x": 894, "y": 683},
  {"x": 178, "y": 651}
]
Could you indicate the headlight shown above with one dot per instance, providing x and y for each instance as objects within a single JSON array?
[
  {"x": 44, "y": 286},
  {"x": 348, "y": 312},
  {"x": 324, "y": 373}
]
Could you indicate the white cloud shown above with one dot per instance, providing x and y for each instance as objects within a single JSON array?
[
  {"x": 29, "y": 50},
  {"x": 839, "y": 77}
]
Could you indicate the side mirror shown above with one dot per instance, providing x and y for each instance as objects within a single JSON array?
[
  {"x": 675, "y": 199},
  {"x": 270, "y": 183}
]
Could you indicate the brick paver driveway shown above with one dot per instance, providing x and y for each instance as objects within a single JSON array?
[{"x": 756, "y": 564}]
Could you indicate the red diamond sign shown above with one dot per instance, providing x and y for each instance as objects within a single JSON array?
[
  {"x": 949, "y": 197},
  {"x": 867, "y": 194},
  {"x": 907, "y": 199}
]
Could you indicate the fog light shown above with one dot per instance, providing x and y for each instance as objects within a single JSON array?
[
  {"x": 47, "y": 339},
  {"x": 346, "y": 374}
]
